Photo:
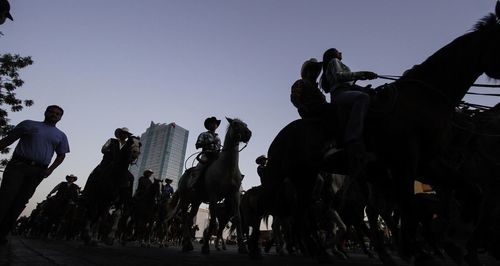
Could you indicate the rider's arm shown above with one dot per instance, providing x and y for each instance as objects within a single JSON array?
[
  {"x": 342, "y": 73},
  {"x": 54, "y": 190},
  {"x": 200, "y": 142},
  {"x": 105, "y": 148}
]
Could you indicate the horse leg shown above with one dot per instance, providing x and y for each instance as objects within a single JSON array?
[
  {"x": 405, "y": 172},
  {"x": 212, "y": 225},
  {"x": 235, "y": 205},
  {"x": 376, "y": 236},
  {"x": 187, "y": 245},
  {"x": 110, "y": 237},
  {"x": 254, "y": 218}
]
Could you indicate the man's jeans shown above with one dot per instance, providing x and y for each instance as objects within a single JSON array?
[
  {"x": 354, "y": 105},
  {"x": 19, "y": 182}
]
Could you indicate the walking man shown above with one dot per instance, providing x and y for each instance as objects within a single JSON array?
[{"x": 30, "y": 164}]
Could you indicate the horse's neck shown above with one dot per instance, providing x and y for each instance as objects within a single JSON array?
[
  {"x": 452, "y": 69},
  {"x": 230, "y": 154}
]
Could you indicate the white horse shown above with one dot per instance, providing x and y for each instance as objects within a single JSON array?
[{"x": 221, "y": 180}]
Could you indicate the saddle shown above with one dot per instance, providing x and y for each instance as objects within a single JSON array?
[
  {"x": 196, "y": 175},
  {"x": 382, "y": 100}
]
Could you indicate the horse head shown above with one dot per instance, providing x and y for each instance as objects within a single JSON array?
[
  {"x": 490, "y": 53},
  {"x": 237, "y": 132},
  {"x": 134, "y": 148}
]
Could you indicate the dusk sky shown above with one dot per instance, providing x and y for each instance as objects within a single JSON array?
[{"x": 122, "y": 63}]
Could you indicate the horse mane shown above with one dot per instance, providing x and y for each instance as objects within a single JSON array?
[
  {"x": 237, "y": 120},
  {"x": 488, "y": 22}
]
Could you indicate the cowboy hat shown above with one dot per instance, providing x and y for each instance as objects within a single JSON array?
[
  {"x": 122, "y": 130},
  {"x": 211, "y": 120},
  {"x": 5, "y": 9},
  {"x": 147, "y": 171},
  {"x": 168, "y": 180},
  {"x": 311, "y": 64},
  {"x": 261, "y": 159},
  {"x": 74, "y": 177}
]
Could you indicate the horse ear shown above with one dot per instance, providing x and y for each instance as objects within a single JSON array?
[
  {"x": 229, "y": 120},
  {"x": 497, "y": 9}
]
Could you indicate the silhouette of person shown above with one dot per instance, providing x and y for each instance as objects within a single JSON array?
[{"x": 30, "y": 163}]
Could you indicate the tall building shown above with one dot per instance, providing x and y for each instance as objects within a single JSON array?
[{"x": 163, "y": 151}]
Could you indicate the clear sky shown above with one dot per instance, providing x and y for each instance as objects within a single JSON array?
[{"x": 116, "y": 63}]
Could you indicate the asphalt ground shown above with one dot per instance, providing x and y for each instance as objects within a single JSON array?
[{"x": 22, "y": 251}]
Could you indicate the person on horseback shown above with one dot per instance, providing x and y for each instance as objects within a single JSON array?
[
  {"x": 210, "y": 145},
  {"x": 110, "y": 150},
  {"x": 351, "y": 102},
  {"x": 209, "y": 141},
  {"x": 144, "y": 183},
  {"x": 261, "y": 161},
  {"x": 113, "y": 145},
  {"x": 167, "y": 190},
  {"x": 305, "y": 94},
  {"x": 67, "y": 191}
]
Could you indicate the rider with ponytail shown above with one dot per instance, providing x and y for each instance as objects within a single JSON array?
[{"x": 351, "y": 102}]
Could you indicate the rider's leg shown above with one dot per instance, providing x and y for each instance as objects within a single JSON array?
[{"x": 353, "y": 105}]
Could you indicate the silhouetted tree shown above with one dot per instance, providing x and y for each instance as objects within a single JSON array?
[{"x": 9, "y": 82}]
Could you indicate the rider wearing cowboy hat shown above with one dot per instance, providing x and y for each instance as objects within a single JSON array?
[
  {"x": 67, "y": 191},
  {"x": 210, "y": 145},
  {"x": 167, "y": 190},
  {"x": 143, "y": 183},
  {"x": 305, "y": 94},
  {"x": 112, "y": 147},
  {"x": 209, "y": 141}
]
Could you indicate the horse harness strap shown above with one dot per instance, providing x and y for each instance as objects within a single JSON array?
[{"x": 429, "y": 87}]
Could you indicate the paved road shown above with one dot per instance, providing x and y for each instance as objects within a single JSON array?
[{"x": 22, "y": 251}]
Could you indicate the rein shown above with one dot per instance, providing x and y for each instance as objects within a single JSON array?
[
  {"x": 392, "y": 77},
  {"x": 238, "y": 150}
]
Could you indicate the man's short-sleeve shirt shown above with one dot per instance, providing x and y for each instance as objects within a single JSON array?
[{"x": 38, "y": 141}]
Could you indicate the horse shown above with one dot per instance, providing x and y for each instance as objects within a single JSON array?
[
  {"x": 222, "y": 180},
  {"x": 113, "y": 184},
  {"x": 405, "y": 136},
  {"x": 473, "y": 165},
  {"x": 144, "y": 212}
]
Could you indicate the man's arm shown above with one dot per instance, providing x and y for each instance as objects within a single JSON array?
[
  {"x": 59, "y": 159},
  {"x": 7, "y": 141}
]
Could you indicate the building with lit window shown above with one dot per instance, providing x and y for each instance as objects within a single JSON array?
[{"x": 163, "y": 150}]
